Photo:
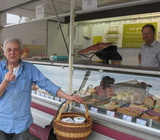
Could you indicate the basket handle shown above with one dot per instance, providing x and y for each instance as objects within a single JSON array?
[{"x": 63, "y": 107}]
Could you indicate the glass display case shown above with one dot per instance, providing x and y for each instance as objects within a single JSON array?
[
  {"x": 129, "y": 104},
  {"x": 59, "y": 75},
  {"x": 134, "y": 98}
]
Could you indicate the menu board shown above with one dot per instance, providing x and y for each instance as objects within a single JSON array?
[{"x": 132, "y": 35}]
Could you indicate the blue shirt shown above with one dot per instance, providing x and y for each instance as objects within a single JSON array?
[
  {"x": 150, "y": 55},
  {"x": 15, "y": 112}
]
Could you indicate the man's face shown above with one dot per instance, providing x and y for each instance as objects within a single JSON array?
[
  {"x": 148, "y": 35},
  {"x": 13, "y": 52}
]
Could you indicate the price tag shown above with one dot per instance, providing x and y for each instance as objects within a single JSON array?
[
  {"x": 127, "y": 118},
  {"x": 141, "y": 122},
  {"x": 57, "y": 99},
  {"x": 38, "y": 93},
  {"x": 42, "y": 94},
  {"x": 94, "y": 109},
  {"x": 51, "y": 97},
  {"x": 82, "y": 106},
  {"x": 33, "y": 92},
  {"x": 110, "y": 113},
  {"x": 46, "y": 95}
]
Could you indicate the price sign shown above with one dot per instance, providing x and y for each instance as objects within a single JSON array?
[
  {"x": 46, "y": 95},
  {"x": 42, "y": 94},
  {"x": 82, "y": 106},
  {"x": 141, "y": 122},
  {"x": 51, "y": 97},
  {"x": 33, "y": 92},
  {"x": 38, "y": 93},
  {"x": 57, "y": 99},
  {"x": 89, "y": 5},
  {"x": 127, "y": 118},
  {"x": 110, "y": 113},
  {"x": 94, "y": 109},
  {"x": 40, "y": 11}
]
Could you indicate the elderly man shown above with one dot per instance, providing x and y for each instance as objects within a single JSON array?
[{"x": 16, "y": 79}]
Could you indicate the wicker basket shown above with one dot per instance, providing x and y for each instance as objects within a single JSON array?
[{"x": 72, "y": 131}]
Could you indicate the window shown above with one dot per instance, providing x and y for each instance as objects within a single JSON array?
[{"x": 13, "y": 19}]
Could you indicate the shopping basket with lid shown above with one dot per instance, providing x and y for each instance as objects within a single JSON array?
[{"x": 72, "y": 131}]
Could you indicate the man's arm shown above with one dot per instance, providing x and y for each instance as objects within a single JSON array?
[{"x": 75, "y": 98}]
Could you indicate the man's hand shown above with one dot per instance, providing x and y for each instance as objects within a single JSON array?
[
  {"x": 9, "y": 76},
  {"x": 76, "y": 98}
]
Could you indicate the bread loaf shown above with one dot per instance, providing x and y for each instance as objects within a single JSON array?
[{"x": 148, "y": 101}]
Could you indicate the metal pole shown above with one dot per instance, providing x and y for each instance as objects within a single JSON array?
[{"x": 71, "y": 33}]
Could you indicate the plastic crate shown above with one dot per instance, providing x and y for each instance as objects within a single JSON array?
[{"x": 60, "y": 58}]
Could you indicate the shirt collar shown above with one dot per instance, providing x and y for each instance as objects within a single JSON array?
[
  {"x": 5, "y": 64},
  {"x": 152, "y": 44}
]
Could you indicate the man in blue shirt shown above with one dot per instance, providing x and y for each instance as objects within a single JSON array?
[{"x": 16, "y": 79}]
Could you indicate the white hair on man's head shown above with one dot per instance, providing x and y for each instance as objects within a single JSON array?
[{"x": 10, "y": 40}]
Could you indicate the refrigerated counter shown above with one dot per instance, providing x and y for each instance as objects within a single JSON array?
[{"x": 122, "y": 122}]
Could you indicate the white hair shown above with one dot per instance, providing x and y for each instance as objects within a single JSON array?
[{"x": 10, "y": 40}]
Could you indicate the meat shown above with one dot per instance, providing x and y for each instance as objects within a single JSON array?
[
  {"x": 92, "y": 101},
  {"x": 153, "y": 113},
  {"x": 95, "y": 48},
  {"x": 132, "y": 110},
  {"x": 138, "y": 107},
  {"x": 128, "y": 111},
  {"x": 109, "y": 106}
]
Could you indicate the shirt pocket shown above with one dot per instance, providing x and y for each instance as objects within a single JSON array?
[{"x": 25, "y": 85}]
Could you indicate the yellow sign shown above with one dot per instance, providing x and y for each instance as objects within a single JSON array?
[
  {"x": 132, "y": 35},
  {"x": 97, "y": 39}
]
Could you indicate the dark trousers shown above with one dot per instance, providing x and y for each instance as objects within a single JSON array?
[{"x": 22, "y": 136}]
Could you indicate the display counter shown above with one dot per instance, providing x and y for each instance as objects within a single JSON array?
[{"x": 130, "y": 110}]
